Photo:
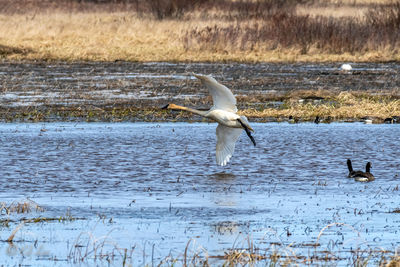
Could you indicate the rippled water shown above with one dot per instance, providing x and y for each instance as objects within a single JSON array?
[{"x": 150, "y": 188}]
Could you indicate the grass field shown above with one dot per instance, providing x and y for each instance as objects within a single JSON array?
[{"x": 214, "y": 31}]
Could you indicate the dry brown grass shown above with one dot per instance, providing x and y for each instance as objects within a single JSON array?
[
  {"x": 339, "y": 8},
  {"x": 334, "y": 11},
  {"x": 89, "y": 36},
  {"x": 303, "y": 105},
  {"x": 25, "y": 206},
  {"x": 104, "y": 35},
  {"x": 394, "y": 262},
  {"x": 346, "y": 106}
]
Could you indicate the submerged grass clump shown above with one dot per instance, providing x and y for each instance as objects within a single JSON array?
[
  {"x": 89, "y": 247},
  {"x": 25, "y": 206}
]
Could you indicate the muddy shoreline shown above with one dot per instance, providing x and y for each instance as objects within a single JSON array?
[{"x": 128, "y": 91}]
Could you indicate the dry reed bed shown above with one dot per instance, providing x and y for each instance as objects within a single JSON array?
[
  {"x": 346, "y": 106},
  {"x": 247, "y": 31}
]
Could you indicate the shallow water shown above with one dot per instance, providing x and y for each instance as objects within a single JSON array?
[{"x": 150, "y": 188}]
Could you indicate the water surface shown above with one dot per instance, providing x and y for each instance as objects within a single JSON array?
[{"x": 150, "y": 188}]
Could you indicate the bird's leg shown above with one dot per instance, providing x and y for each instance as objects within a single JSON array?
[{"x": 247, "y": 132}]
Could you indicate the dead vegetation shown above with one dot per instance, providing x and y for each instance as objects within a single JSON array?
[
  {"x": 304, "y": 105},
  {"x": 113, "y": 92},
  {"x": 25, "y": 206},
  {"x": 202, "y": 30},
  {"x": 346, "y": 106},
  {"x": 283, "y": 29},
  {"x": 247, "y": 252},
  {"x": 88, "y": 249}
]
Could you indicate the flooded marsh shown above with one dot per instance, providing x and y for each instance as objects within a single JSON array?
[
  {"x": 147, "y": 193},
  {"x": 125, "y": 91},
  {"x": 150, "y": 193}
]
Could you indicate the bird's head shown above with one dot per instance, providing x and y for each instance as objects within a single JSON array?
[
  {"x": 170, "y": 106},
  {"x": 173, "y": 106}
]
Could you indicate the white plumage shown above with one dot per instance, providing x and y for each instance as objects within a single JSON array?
[
  {"x": 346, "y": 67},
  {"x": 223, "y": 111},
  {"x": 222, "y": 97},
  {"x": 226, "y": 141}
]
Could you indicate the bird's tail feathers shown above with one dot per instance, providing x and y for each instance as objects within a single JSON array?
[
  {"x": 246, "y": 123},
  {"x": 247, "y": 128}
]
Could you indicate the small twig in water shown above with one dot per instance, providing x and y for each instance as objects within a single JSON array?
[{"x": 11, "y": 237}]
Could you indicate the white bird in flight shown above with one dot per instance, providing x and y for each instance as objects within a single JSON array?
[{"x": 230, "y": 125}]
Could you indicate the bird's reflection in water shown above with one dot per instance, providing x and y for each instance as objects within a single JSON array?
[
  {"x": 223, "y": 194},
  {"x": 222, "y": 176},
  {"x": 224, "y": 198},
  {"x": 226, "y": 227}
]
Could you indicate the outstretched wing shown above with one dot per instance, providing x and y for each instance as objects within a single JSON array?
[
  {"x": 221, "y": 95},
  {"x": 226, "y": 140}
]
